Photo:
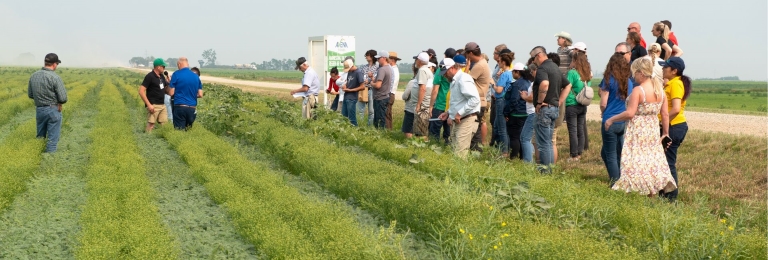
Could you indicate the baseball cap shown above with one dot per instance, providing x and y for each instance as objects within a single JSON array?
[
  {"x": 350, "y": 58},
  {"x": 300, "y": 61},
  {"x": 52, "y": 58},
  {"x": 450, "y": 53},
  {"x": 505, "y": 51},
  {"x": 674, "y": 62},
  {"x": 382, "y": 54},
  {"x": 422, "y": 57},
  {"x": 518, "y": 66},
  {"x": 447, "y": 63},
  {"x": 159, "y": 62},
  {"x": 579, "y": 46},
  {"x": 348, "y": 64},
  {"x": 393, "y": 55},
  {"x": 459, "y": 59},
  {"x": 431, "y": 52},
  {"x": 471, "y": 46},
  {"x": 431, "y": 64},
  {"x": 564, "y": 35}
]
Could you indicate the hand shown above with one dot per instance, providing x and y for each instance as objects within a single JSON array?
[
  {"x": 608, "y": 124},
  {"x": 506, "y": 119},
  {"x": 443, "y": 116},
  {"x": 457, "y": 118},
  {"x": 370, "y": 75},
  {"x": 538, "y": 108},
  {"x": 668, "y": 144},
  {"x": 59, "y": 107},
  {"x": 151, "y": 109},
  {"x": 498, "y": 74},
  {"x": 524, "y": 94},
  {"x": 293, "y": 92},
  {"x": 418, "y": 107}
]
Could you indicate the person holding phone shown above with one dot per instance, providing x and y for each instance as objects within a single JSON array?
[
  {"x": 677, "y": 90},
  {"x": 644, "y": 168}
]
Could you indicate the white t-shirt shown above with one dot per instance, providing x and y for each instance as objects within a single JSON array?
[
  {"x": 529, "y": 108},
  {"x": 396, "y": 80}
]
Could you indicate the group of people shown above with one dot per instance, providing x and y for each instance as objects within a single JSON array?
[
  {"x": 457, "y": 99},
  {"x": 171, "y": 97}
]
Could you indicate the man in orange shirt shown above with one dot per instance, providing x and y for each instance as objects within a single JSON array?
[{"x": 635, "y": 27}]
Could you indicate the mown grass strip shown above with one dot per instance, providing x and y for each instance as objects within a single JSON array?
[
  {"x": 661, "y": 229},
  {"x": 288, "y": 225},
  {"x": 42, "y": 223},
  {"x": 460, "y": 223},
  {"x": 120, "y": 219},
  {"x": 22, "y": 153}
]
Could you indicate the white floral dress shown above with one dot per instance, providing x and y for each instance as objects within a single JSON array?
[{"x": 644, "y": 167}]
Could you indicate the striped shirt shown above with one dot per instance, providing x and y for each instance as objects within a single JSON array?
[
  {"x": 46, "y": 88},
  {"x": 565, "y": 59}
]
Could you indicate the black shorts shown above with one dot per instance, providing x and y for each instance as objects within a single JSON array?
[{"x": 407, "y": 123}]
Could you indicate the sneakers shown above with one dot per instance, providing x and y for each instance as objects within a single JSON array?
[{"x": 574, "y": 159}]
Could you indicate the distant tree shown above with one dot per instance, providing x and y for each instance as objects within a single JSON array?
[
  {"x": 135, "y": 61},
  {"x": 209, "y": 56},
  {"x": 171, "y": 61}
]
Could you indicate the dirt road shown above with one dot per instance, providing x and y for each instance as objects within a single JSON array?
[{"x": 725, "y": 123}]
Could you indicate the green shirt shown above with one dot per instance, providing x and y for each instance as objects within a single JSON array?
[
  {"x": 576, "y": 86},
  {"x": 444, "y": 86}
]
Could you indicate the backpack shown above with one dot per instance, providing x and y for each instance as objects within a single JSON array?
[{"x": 584, "y": 97}]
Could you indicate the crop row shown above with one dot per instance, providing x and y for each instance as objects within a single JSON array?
[
  {"x": 120, "y": 219},
  {"x": 22, "y": 151},
  {"x": 652, "y": 227},
  {"x": 461, "y": 223},
  {"x": 280, "y": 221}
]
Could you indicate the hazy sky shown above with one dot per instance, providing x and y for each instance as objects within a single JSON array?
[{"x": 719, "y": 38}]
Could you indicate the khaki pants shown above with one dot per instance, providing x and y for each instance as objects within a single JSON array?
[
  {"x": 461, "y": 135},
  {"x": 308, "y": 107},
  {"x": 388, "y": 116},
  {"x": 160, "y": 115}
]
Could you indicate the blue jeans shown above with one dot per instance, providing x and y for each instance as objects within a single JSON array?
[
  {"x": 169, "y": 107},
  {"x": 183, "y": 117},
  {"x": 499, "y": 135},
  {"x": 525, "y": 138},
  {"x": 49, "y": 126},
  {"x": 677, "y": 133},
  {"x": 348, "y": 110},
  {"x": 545, "y": 126},
  {"x": 435, "y": 126},
  {"x": 613, "y": 140},
  {"x": 362, "y": 105},
  {"x": 380, "y": 112}
]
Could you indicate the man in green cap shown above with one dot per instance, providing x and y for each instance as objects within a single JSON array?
[{"x": 152, "y": 92}]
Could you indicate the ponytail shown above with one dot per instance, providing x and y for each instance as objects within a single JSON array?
[{"x": 686, "y": 85}]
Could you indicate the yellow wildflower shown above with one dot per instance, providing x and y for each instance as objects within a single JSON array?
[
  {"x": 722, "y": 233},
  {"x": 730, "y": 228},
  {"x": 722, "y": 221},
  {"x": 499, "y": 242},
  {"x": 503, "y": 224},
  {"x": 471, "y": 237},
  {"x": 491, "y": 207},
  {"x": 496, "y": 247},
  {"x": 506, "y": 235},
  {"x": 461, "y": 230}
]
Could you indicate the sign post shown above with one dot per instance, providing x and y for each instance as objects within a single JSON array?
[{"x": 327, "y": 52}]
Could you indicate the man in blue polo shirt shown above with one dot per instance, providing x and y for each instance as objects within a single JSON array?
[{"x": 185, "y": 89}]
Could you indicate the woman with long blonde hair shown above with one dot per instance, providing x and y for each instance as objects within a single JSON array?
[
  {"x": 654, "y": 53},
  {"x": 644, "y": 167},
  {"x": 661, "y": 31}
]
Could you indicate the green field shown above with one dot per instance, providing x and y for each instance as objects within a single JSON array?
[{"x": 252, "y": 180}]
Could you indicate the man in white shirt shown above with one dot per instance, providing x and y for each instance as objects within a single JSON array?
[
  {"x": 464, "y": 106},
  {"x": 310, "y": 86},
  {"x": 393, "y": 59}
]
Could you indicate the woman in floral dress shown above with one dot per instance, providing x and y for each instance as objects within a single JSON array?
[{"x": 644, "y": 167}]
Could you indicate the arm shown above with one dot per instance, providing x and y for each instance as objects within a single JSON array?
[
  {"x": 633, "y": 99},
  {"x": 61, "y": 91},
  {"x": 422, "y": 93},
  {"x": 543, "y": 88},
  {"x": 603, "y": 100},
  {"x": 664, "y": 118},
  {"x": 564, "y": 94},
  {"x": 678, "y": 52},
  {"x": 407, "y": 93},
  {"x": 143, "y": 94},
  {"x": 676, "y": 107},
  {"x": 29, "y": 89},
  {"x": 435, "y": 90},
  {"x": 199, "y": 93},
  {"x": 303, "y": 88},
  {"x": 668, "y": 50}
]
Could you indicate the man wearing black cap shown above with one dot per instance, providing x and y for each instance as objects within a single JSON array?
[
  {"x": 49, "y": 93},
  {"x": 310, "y": 86}
]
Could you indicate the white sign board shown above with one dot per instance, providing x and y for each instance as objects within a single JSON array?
[{"x": 327, "y": 52}]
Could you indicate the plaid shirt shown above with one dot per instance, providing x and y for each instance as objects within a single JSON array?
[
  {"x": 368, "y": 68},
  {"x": 46, "y": 88}
]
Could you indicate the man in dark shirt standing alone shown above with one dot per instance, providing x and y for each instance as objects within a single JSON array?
[
  {"x": 550, "y": 88},
  {"x": 49, "y": 93},
  {"x": 185, "y": 88},
  {"x": 152, "y": 92}
]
